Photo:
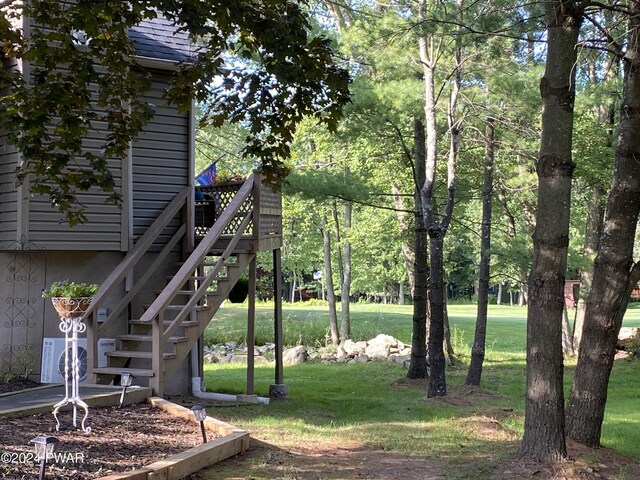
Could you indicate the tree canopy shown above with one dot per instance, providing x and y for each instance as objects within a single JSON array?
[{"x": 257, "y": 64}]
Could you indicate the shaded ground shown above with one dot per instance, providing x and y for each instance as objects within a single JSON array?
[
  {"x": 120, "y": 440},
  {"x": 321, "y": 461},
  {"x": 334, "y": 460}
]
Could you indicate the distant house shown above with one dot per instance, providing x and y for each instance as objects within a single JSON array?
[
  {"x": 571, "y": 288},
  {"x": 135, "y": 251}
]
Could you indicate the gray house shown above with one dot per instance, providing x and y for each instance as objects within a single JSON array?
[{"x": 162, "y": 273}]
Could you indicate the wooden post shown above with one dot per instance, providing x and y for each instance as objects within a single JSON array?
[
  {"x": 251, "y": 323},
  {"x": 92, "y": 326},
  {"x": 257, "y": 207},
  {"x": 278, "y": 391},
  {"x": 277, "y": 313},
  {"x": 157, "y": 356}
]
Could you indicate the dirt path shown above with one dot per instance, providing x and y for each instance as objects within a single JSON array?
[
  {"x": 333, "y": 462},
  {"x": 327, "y": 461}
]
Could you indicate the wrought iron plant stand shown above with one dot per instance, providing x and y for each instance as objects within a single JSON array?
[{"x": 71, "y": 311}]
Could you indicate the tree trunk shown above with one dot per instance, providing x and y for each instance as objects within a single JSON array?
[
  {"x": 328, "y": 274},
  {"x": 593, "y": 229},
  {"x": 437, "y": 362},
  {"x": 447, "y": 347},
  {"x": 478, "y": 349},
  {"x": 418, "y": 363},
  {"x": 522, "y": 295},
  {"x": 499, "y": 299},
  {"x": 567, "y": 340},
  {"x": 292, "y": 293},
  {"x": 544, "y": 415},
  {"x": 408, "y": 248},
  {"x": 345, "y": 330},
  {"x": 614, "y": 273},
  {"x": 437, "y": 225},
  {"x": 336, "y": 228}
]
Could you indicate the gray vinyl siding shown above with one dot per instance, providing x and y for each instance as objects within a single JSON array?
[
  {"x": 8, "y": 192},
  {"x": 160, "y": 160},
  {"x": 48, "y": 229},
  {"x": 103, "y": 230}
]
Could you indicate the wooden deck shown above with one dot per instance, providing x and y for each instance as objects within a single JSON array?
[{"x": 265, "y": 229}]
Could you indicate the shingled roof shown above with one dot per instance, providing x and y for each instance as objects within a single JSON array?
[{"x": 159, "y": 38}]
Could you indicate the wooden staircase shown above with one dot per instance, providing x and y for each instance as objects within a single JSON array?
[
  {"x": 157, "y": 343},
  {"x": 135, "y": 350}
]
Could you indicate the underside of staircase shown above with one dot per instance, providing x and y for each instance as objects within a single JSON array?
[{"x": 156, "y": 345}]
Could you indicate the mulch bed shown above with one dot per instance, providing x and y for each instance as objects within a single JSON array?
[
  {"x": 17, "y": 383},
  {"x": 120, "y": 440}
]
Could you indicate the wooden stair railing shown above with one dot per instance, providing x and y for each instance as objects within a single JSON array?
[
  {"x": 201, "y": 304},
  {"x": 125, "y": 267}
]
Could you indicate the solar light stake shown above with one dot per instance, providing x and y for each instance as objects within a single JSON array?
[
  {"x": 125, "y": 381},
  {"x": 200, "y": 413},
  {"x": 44, "y": 446}
]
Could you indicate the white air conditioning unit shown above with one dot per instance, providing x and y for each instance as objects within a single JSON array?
[{"x": 53, "y": 357}]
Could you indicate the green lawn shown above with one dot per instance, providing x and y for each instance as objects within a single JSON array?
[{"x": 358, "y": 402}]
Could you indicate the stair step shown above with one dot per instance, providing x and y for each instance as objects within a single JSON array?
[
  {"x": 190, "y": 293},
  {"x": 199, "y": 278},
  {"x": 213, "y": 264},
  {"x": 136, "y": 372},
  {"x": 136, "y": 354},
  {"x": 178, "y": 308},
  {"x": 186, "y": 323},
  {"x": 147, "y": 338}
]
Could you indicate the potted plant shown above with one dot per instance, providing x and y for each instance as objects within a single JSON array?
[{"x": 71, "y": 299}]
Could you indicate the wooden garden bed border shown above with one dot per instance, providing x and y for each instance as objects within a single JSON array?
[{"x": 233, "y": 441}]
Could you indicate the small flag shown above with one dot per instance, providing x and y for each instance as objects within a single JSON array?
[{"x": 207, "y": 176}]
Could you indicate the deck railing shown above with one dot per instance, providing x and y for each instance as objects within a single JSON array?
[{"x": 264, "y": 201}]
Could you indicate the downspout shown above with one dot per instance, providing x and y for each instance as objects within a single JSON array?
[{"x": 196, "y": 391}]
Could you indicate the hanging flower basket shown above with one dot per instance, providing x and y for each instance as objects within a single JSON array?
[{"x": 71, "y": 307}]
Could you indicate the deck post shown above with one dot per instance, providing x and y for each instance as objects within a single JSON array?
[
  {"x": 251, "y": 322},
  {"x": 92, "y": 326},
  {"x": 157, "y": 348},
  {"x": 279, "y": 390}
]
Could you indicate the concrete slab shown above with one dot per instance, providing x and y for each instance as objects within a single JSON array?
[{"x": 42, "y": 399}]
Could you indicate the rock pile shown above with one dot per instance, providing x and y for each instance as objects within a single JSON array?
[{"x": 381, "y": 348}]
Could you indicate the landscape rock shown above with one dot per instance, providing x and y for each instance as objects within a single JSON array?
[
  {"x": 401, "y": 359},
  {"x": 377, "y": 351},
  {"x": 260, "y": 360},
  {"x": 238, "y": 359},
  {"x": 295, "y": 355},
  {"x": 383, "y": 340},
  {"x": 628, "y": 338},
  {"x": 362, "y": 358},
  {"x": 381, "y": 348},
  {"x": 353, "y": 348}
]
